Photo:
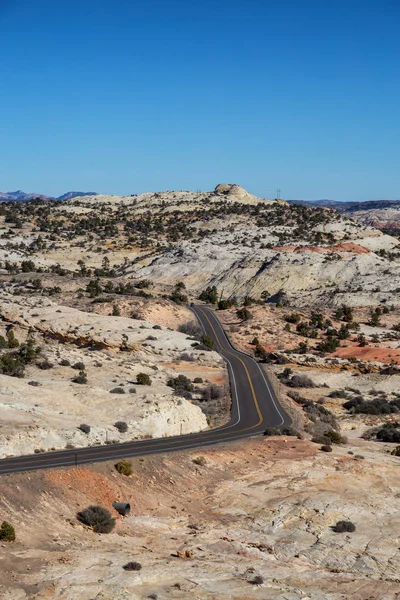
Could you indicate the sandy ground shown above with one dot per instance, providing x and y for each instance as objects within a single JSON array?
[{"x": 263, "y": 507}]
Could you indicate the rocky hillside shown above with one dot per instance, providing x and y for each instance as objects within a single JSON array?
[
  {"x": 253, "y": 521},
  {"x": 229, "y": 238}
]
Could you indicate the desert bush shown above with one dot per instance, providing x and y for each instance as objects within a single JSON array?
[
  {"x": 121, "y": 426},
  {"x": 334, "y": 436},
  {"x": 378, "y": 406},
  {"x": 187, "y": 357},
  {"x": 344, "y": 527},
  {"x": 98, "y": 518},
  {"x": 7, "y": 532},
  {"x": 81, "y": 378},
  {"x": 338, "y": 394},
  {"x": 389, "y": 434},
  {"x": 270, "y": 431},
  {"x": 257, "y": 580},
  {"x": 244, "y": 314},
  {"x": 65, "y": 363},
  {"x": 297, "y": 397},
  {"x": 200, "y": 460},
  {"x": 321, "y": 439},
  {"x": 212, "y": 392},
  {"x": 293, "y": 318},
  {"x": 79, "y": 366},
  {"x": 210, "y": 294},
  {"x": 12, "y": 341},
  {"x": 198, "y": 380},
  {"x": 396, "y": 451},
  {"x": 260, "y": 352},
  {"x": 178, "y": 296},
  {"x": 12, "y": 364},
  {"x": 181, "y": 384},
  {"x": 207, "y": 342},
  {"x": 45, "y": 365},
  {"x": 143, "y": 379},
  {"x": 300, "y": 381},
  {"x": 132, "y": 566},
  {"x": 124, "y": 467},
  {"x": 191, "y": 328},
  {"x": 117, "y": 390},
  {"x": 290, "y": 431},
  {"x": 85, "y": 428}
]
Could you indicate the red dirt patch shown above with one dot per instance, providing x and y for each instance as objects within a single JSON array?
[
  {"x": 383, "y": 355},
  {"x": 89, "y": 483},
  {"x": 343, "y": 247}
]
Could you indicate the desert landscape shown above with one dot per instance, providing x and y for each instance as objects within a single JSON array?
[{"x": 99, "y": 346}]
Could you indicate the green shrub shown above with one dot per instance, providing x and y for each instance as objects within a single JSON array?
[
  {"x": 11, "y": 339},
  {"x": 12, "y": 364},
  {"x": 244, "y": 314},
  {"x": 207, "y": 341},
  {"x": 81, "y": 378},
  {"x": 200, "y": 460},
  {"x": 124, "y": 467},
  {"x": 7, "y": 532},
  {"x": 79, "y": 366},
  {"x": 293, "y": 318},
  {"x": 210, "y": 294},
  {"x": 143, "y": 379},
  {"x": 181, "y": 384},
  {"x": 334, "y": 436}
]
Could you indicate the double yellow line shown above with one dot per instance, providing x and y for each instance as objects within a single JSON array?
[
  {"x": 246, "y": 370},
  {"x": 117, "y": 448}
]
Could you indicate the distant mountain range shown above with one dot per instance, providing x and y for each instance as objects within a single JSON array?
[
  {"x": 344, "y": 207},
  {"x": 21, "y": 196}
]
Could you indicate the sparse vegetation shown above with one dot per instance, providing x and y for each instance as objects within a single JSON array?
[
  {"x": 85, "y": 428},
  {"x": 344, "y": 527},
  {"x": 7, "y": 532},
  {"x": 200, "y": 460},
  {"x": 81, "y": 378},
  {"x": 121, "y": 426},
  {"x": 98, "y": 518},
  {"x": 124, "y": 467},
  {"x": 132, "y": 566},
  {"x": 143, "y": 379}
]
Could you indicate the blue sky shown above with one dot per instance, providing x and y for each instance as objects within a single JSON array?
[{"x": 136, "y": 95}]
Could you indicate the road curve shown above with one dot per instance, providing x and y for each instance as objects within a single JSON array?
[{"x": 254, "y": 408}]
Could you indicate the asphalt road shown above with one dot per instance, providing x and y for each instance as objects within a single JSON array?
[{"x": 254, "y": 408}]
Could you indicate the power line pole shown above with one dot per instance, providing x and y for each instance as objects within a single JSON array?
[{"x": 278, "y": 194}]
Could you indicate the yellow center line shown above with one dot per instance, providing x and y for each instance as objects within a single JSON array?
[
  {"x": 117, "y": 448},
  {"x": 246, "y": 370}
]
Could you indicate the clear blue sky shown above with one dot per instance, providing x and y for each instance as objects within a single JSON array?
[{"x": 127, "y": 96}]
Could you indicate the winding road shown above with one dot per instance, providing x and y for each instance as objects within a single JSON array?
[{"x": 254, "y": 408}]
